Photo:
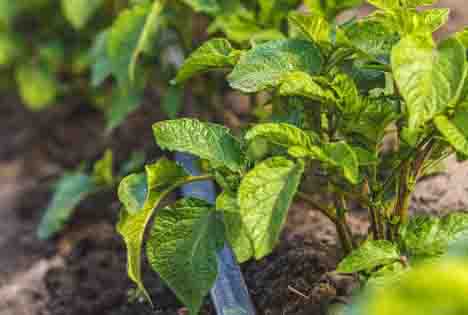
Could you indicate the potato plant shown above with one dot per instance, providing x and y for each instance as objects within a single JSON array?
[
  {"x": 337, "y": 93},
  {"x": 112, "y": 50}
]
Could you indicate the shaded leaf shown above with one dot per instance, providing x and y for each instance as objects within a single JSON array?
[
  {"x": 337, "y": 154},
  {"x": 330, "y": 9},
  {"x": 161, "y": 178},
  {"x": 301, "y": 84},
  {"x": 182, "y": 248},
  {"x": 264, "y": 197},
  {"x": 236, "y": 232},
  {"x": 102, "y": 65},
  {"x": 371, "y": 254},
  {"x": 69, "y": 192},
  {"x": 266, "y": 65},
  {"x": 206, "y": 140},
  {"x": 125, "y": 100},
  {"x": 172, "y": 101}
]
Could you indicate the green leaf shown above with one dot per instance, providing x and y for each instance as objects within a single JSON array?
[
  {"x": 238, "y": 23},
  {"x": 236, "y": 231},
  {"x": 103, "y": 174},
  {"x": 9, "y": 49},
  {"x": 462, "y": 36},
  {"x": 309, "y": 26},
  {"x": 429, "y": 237},
  {"x": 371, "y": 254},
  {"x": 172, "y": 101},
  {"x": 102, "y": 65},
  {"x": 302, "y": 84},
  {"x": 161, "y": 178},
  {"x": 455, "y": 132},
  {"x": 282, "y": 134},
  {"x": 133, "y": 191},
  {"x": 429, "y": 78},
  {"x": 182, "y": 248},
  {"x": 273, "y": 12},
  {"x": 125, "y": 100},
  {"x": 266, "y": 65},
  {"x": 385, "y": 4},
  {"x": 215, "y": 54},
  {"x": 337, "y": 154},
  {"x": 432, "y": 289},
  {"x": 38, "y": 87},
  {"x": 434, "y": 19},
  {"x": 370, "y": 38},
  {"x": 147, "y": 35},
  {"x": 205, "y": 6},
  {"x": 206, "y": 140},
  {"x": 375, "y": 116},
  {"x": 264, "y": 197},
  {"x": 70, "y": 191},
  {"x": 79, "y": 12},
  {"x": 331, "y": 8},
  {"x": 390, "y": 273},
  {"x": 417, "y": 3},
  {"x": 130, "y": 35}
]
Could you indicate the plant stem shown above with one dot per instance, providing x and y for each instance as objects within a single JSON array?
[{"x": 344, "y": 233}]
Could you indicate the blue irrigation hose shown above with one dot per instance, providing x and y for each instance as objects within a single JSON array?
[{"x": 229, "y": 294}]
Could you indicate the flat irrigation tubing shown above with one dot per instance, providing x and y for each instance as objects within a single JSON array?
[{"x": 229, "y": 294}]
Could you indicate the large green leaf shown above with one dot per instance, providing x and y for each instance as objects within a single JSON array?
[
  {"x": 70, "y": 191},
  {"x": 428, "y": 237},
  {"x": 455, "y": 132},
  {"x": 209, "y": 141},
  {"x": 130, "y": 35},
  {"x": 161, "y": 178},
  {"x": 264, "y": 197},
  {"x": 309, "y": 26},
  {"x": 214, "y": 54},
  {"x": 302, "y": 84},
  {"x": 282, "y": 134},
  {"x": 428, "y": 78},
  {"x": 371, "y": 254},
  {"x": 182, "y": 248},
  {"x": 78, "y": 12},
  {"x": 236, "y": 232},
  {"x": 337, "y": 155},
  {"x": 266, "y": 65}
]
